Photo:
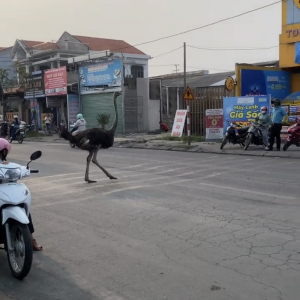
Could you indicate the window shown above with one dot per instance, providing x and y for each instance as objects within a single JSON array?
[{"x": 137, "y": 71}]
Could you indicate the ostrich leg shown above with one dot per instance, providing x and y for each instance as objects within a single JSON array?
[
  {"x": 102, "y": 169},
  {"x": 88, "y": 161}
]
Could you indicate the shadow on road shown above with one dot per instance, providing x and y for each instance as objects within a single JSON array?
[{"x": 53, "y": 283}]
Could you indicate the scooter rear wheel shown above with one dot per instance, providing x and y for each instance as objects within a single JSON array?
[{"x": 20, "y": 259}]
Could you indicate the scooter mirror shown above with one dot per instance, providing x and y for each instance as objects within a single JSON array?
[{"x": 36, "y": 155}]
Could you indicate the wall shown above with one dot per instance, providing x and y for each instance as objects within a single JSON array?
[
  {"x": 71, "y": 44},
  {"x": 290, "y": 33},
  {"x": 295, "y": 82}
]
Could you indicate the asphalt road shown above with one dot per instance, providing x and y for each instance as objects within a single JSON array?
[{"x": 178, "y": 226}]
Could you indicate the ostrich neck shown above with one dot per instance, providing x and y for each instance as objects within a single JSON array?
[{"x": 115, "y": 124}]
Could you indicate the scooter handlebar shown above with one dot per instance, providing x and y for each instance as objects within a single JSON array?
[{"x": 34, "y": 171}]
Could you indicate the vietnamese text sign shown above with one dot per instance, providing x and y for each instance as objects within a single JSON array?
[
  {"x": 265, "y": 82},
  {"x": 243, "y": 110},
  {"x": 108, "y": 73},
  {"x": 214, "y": 124},
  {"x": 53, "y": 102},
  {"x": 179, "y": 122},
  {"x": 34, "y": 87},
  {"x": 73, "y": 107},
  {"x": 55, "y": 81}
]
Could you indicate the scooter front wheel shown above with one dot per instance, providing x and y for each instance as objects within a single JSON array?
[
  {"x": 72, "y": 145},
  {"x": 286, "y": 145},
  {"x": 224, "y": 142},
  {"x": 20, "y": 139},
  {"x": 20, "y": 258},
  {"x": 248, "y": 141}
]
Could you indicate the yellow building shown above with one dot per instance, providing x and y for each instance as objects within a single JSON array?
[{"x": 282, "y": 80}]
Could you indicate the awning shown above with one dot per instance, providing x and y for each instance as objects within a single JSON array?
[{"x": 293, "y": 97}]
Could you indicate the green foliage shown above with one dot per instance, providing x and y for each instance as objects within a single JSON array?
[{"x": 103, "y": 119}]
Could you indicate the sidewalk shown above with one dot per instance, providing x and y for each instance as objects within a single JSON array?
[{"x": 155, "y": 142}]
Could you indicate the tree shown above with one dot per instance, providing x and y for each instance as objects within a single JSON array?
[
  {"x": 103, "y": 119},
  {"x": 4, "y": 77}
]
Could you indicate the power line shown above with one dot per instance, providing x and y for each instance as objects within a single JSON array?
[
  {"x": 232, "y": 49},
  {"x": 204, "y": 26},
  {"x": 167, "y": 52}
]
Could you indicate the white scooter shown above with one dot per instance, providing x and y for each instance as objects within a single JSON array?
[{"x": 15, "y": 203}]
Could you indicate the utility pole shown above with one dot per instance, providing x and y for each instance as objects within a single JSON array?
[
  {"x": 188, "y": 114},
  {"x": 176, "y": 66}
]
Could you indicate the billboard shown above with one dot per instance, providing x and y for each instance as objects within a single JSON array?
[
  {"x": 265, "y": 82},
  {"x": 107, "y": 73},
  {"x": 55, "y": 81},
  {"x": 179, "y": 122},
  {"x": 214, "y": 124},
  {"x": 73, "y": 107},
  {"x": 243, "y": 110},
  {"x": 34, "y": 87}
]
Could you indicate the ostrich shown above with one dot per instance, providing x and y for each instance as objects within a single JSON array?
[{"x": 94, "y": 139}]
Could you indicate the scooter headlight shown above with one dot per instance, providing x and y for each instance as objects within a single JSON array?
[{"x": 13, "y": 174}]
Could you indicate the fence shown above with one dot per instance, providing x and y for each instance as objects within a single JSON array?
[{"x": 205, "y": 98}]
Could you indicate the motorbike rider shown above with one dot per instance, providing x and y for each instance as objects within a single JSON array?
[
  {"x": 16, "y": 126},
  {"x": 80, "y": 125},
  {"x": 4, "y": 150},
  {"x": 264, "y": 119}
]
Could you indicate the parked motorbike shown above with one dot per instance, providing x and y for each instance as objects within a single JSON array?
[
  {"x": 254, "y": 135},
  {"x": 234, "y": 135},
  {"x": 293, "y": 137},
  {"x": 15, "y": 203}
]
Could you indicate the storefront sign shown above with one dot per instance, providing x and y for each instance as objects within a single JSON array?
[
  {"x": 53, "y": 102},
  {"x": 34, "y": 87},
  {"x": 55, "y": 81},
  {"x": 243, "y": 110},
  {"x": 265, "y": 82},
  {"x": 214, "y": 124},
  {"x": 108, "y": 73},
  {"x": 179, "y": 122},
  {"x": 73, "y": 107}
]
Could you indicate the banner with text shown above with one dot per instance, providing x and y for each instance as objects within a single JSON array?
[
  {"x": 55, "y": 81},
  {"x": 73, "y": 108},
  {"x": 179, "y": 122},
  {"x": 243, "y": 110},
  {"x": 214, "y": 124}
]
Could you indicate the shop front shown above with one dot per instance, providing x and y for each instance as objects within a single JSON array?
[
  {"x": 98, "y": 82},
  {"x": 35, "y": 94}
]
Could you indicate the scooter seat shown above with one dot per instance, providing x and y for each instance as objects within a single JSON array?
[{"x": 243, "y": 130}]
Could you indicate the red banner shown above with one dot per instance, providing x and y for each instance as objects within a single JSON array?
[{"x": 55, "y": 81}]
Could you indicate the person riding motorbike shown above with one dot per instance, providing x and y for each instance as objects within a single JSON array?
[
  {"x": 80, "y": 125},
  {"x": 16, "y": 126},
  {"x": 4, "y": 150},
  {"x": 264, "y": 119}
]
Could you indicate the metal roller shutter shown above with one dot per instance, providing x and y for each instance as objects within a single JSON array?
[{"x": 94, "y": 104}]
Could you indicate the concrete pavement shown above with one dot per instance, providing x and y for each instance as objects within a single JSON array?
[{"x": 173, "y": 226}]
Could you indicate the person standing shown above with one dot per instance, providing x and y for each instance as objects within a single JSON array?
[
  {"x": 47, "y": 122},
  {"x": 277, "y": 116},
  {"x": 265, "y": 121}
]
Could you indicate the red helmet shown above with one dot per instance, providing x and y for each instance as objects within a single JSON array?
[{"x": 4, "y": 144}]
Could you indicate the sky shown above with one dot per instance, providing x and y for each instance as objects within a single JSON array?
[{"x": 139, "y": 21}]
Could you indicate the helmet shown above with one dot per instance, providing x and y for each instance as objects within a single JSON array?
[
  {"x": 16, "y": 117},
  {"x": 264, "y": 109},
  {"x": 4, "y": 144},
  {"x": 79, "y": 116},
  {"x": 275, "y": 101}
]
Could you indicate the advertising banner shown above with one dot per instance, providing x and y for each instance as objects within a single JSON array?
[
  {"x": 214, "y": 124},
  {"x": 179, "y": 121},
  {"x": 34, "y": 87},
  {"x": 265, "y": 82},
  {"x": 52, "y": 102},
  {"x": 73, "y": 107},
  {"x": 55, "y": 81},
  {"x": 108, "y": 73},
  {"x": 35, "y": 107},
  {"x": 243, "y": 110}
]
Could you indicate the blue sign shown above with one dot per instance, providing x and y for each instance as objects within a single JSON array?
[
  {"x": 265, "y": 82},
  {"x": 102, "y": 74},
  {"x": 297, "y": 53},
  {"x": 243, "y": 110}
]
